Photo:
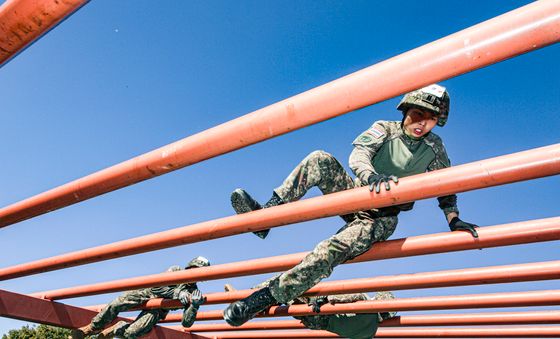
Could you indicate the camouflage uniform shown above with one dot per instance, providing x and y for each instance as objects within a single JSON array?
[
  {"x": 348, "y": 325},
  {"x": 147, "y": 319},
  {"x": 382, "y": 149}
]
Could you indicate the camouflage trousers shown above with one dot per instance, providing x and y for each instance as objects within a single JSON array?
[
  {"x": 143, "y": 324},
  {"x": 361, "y": 231}
]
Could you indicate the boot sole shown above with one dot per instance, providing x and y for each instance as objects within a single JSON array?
[
  {"x": 231, "y": 319},
  {"x": 239, "y": 203}
]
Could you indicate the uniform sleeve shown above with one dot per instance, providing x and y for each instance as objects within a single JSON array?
[
  {"x": 347, "y": 298},
  {"x": 178, "y": 289},
  {"x": 448, "y": 203},
  {"x": 189, "y": 315},
  {"x": 366, "y": 146}
]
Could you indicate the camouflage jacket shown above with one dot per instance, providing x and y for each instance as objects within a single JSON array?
[
  {"x": 384, "y": 148},
  {"x": 173, "y": 291}
]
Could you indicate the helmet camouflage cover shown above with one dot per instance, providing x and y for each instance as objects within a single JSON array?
[
  {"x": 198, "y": 262},
  {"x": 433, "y": 97}
]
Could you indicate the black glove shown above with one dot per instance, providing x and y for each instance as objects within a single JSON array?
[
  {"x": 197, "y": 299},
  {"x": 457, "y": 224},
  {"x": 377, "y": 179},
  {"x": 316, "y": 303}
]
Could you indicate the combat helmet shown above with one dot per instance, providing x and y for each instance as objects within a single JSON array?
[
  {"x": 433, "y": 97},
  {"x": 198, "y": 262}
]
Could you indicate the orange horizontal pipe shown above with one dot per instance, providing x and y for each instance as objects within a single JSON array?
[
  {"x": 490, "y": 236},
  {"x": 501, "y": 318},
  {"x": 535, "y": 163},
  {"x": 525, "y": 29},
  {"x": 251, "y": 325},
  {"x": 471, "y": 276},
  {"x": 267, "y": 334},
  {"x": 25, "y": 21},
  {"x": 492, "y": 332},
  {"x": 488, "y": 300}
]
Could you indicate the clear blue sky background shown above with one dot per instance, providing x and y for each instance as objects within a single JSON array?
[{"x": 120, "y": 78}]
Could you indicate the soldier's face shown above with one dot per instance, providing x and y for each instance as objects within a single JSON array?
[{"x": 419, "y": 122}]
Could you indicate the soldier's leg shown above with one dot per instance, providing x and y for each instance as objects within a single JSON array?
[
  {"x": 122, "y": 303},
  {"x": 319, "y": 169},
  {"x": 352, "y": 240},
  {"x": 143, "y": 324}
]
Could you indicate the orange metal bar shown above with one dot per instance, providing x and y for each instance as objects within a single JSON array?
[
  {"x": 269, "y": 334},
  {"x": 522, "y": 30},
  {"x": 462, "y": 277},
  {"x": 535, "y": 163},
  {"x": 502, "y": 318},
  {"x": 23, "y": 307},
  {"x": 492, "y": 332},
  {"x": 488, "y": 300},
  {"x": 251, "y": 325},
  {"x": 490, "y": 236},
  {"x": 25, "y": 21}
]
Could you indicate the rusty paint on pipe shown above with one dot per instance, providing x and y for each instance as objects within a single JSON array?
[
  {"x": 490, "y": 236},
  {"x": 522, "y": 30},
  {"x": 535, "y": 163},
  {"x": 25, "y": 21}
]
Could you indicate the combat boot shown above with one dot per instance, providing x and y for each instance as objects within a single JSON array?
[
  {"x": 239, "y": 312},
  {"x": 242, "y": 202}
]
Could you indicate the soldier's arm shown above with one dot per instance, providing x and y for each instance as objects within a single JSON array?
[
  {"x": 347, "y": 298},
  {"x": 189, "y": 315},
  {"x": 448, "y": 203},
  {"x": 366, "y": 146}
]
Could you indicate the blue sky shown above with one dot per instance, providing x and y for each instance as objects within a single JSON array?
[{"x": 118, "y": 79}]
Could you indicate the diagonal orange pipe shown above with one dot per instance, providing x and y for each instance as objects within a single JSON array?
[
  {"x": 535, "y": 163},
  {"x": 491, "y": 236},
  {"x": 525, "y": 29},
  {"x": 23, "y": 307},
  {"x": 502, "y": 318},
  {"x": 462, "y": 277},
  {"x": 491, "y": 332},
  {"x": 22, "y": 22}
]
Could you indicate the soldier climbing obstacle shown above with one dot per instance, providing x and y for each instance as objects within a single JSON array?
[
  {"x": 383, "y": 153},
  {"x": 347, "y": 325},
  {"x": 189, "y": 295}
]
